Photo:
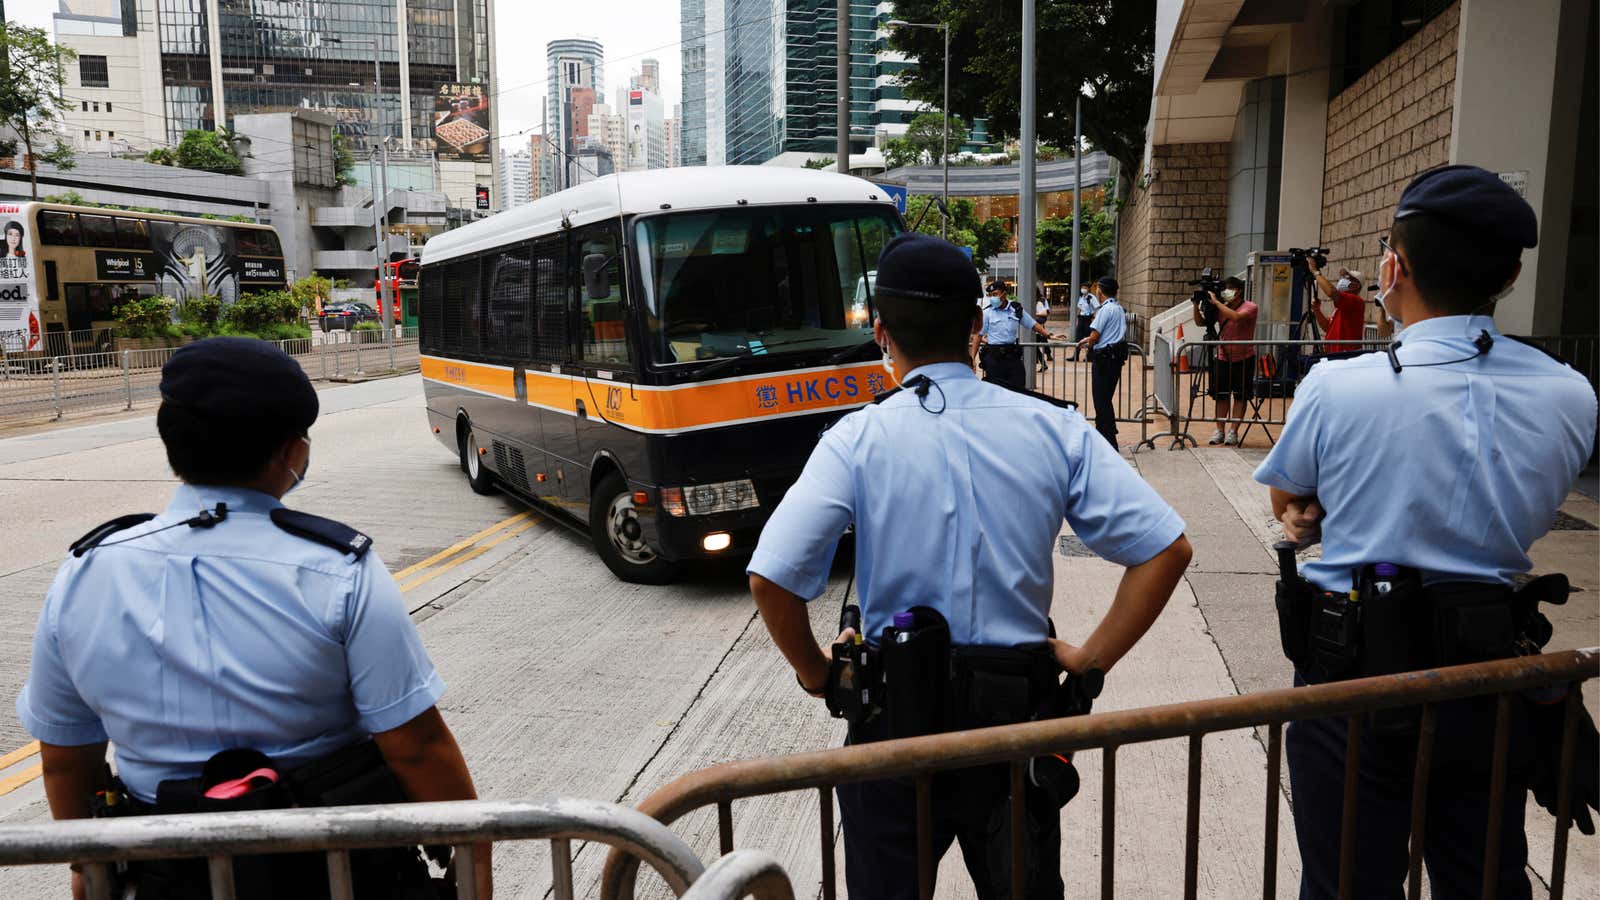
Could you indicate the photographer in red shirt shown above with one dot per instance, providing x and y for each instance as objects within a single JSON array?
[{"x": 1349, "y": 310}]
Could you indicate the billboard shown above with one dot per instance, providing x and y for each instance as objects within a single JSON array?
[
  {"x": 19, "y": 308},
  {"x": 461, "y": 122}
]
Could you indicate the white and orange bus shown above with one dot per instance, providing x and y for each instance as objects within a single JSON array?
[{"x": 655, "y": 353}]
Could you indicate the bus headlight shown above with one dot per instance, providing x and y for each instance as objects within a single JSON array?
[{"x": 706, "y": 499}]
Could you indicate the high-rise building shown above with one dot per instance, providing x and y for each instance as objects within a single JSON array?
[
  {"x": 576, "y": 65},
  {"x": 673, "y": 127},
  {"x": 692, "y": 116},
  {"x": 516, "y": 178},
  {"x": 538, "y": 150},
  {"x": 650, "y": 75},
  {"x": 609, "y": 131},
  {"x": 646, "y": 125}
]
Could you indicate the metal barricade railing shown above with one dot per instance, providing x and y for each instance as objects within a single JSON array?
[
  {"x": 98, "y": 844},
  {"x": 740, "y": 874},
  {"x": 1068, "y": 377},
  {"x": 922, "y": 757}
]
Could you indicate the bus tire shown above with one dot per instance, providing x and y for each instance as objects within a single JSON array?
[
  {"x": 614, "y": 528},
  {"x": 478, "y": 475}
]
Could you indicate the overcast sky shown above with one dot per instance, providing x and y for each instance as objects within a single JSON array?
[{"x": 629, "y": 29}]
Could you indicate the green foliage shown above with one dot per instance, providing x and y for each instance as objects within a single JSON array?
[
  {"x": 987, "y": 238},
  {"x": 145, "y": 317},
  {"x": 309, "y": 289},
  {"x": 254, "y": 312},
  {"x": 32, "y": 102},
  {"x": 200, "y": 312},
  {"x": 1104, "y": 49},
  {"x": 162, "y": 156},
  {"x": 271, "y": 331},
  {"x": 1095, "y": 243},
  {"x": 8, "y": 148},
  {"x": 71, "y": 198},
  {"x": 368, "y": 326},
  {"x": 344, "y": 162},
  {"x": 825, "y": 163},
  {"x": 207, "y": 151},
  {"x": 923, "y": 142}
]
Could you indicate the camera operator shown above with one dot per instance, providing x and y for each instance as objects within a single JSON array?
[
  {"x": 1349, "y": 310},
  {"x": 1233, "y": 366}
]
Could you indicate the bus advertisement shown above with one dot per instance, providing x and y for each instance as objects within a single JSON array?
[{"x": 655, "y": 354}]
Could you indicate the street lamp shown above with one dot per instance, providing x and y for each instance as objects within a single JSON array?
[{"x": 944, "y": 161}]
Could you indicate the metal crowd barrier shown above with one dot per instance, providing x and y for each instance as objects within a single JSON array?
[
  {"x": 742, "y": 873},
  {"x": 97, "y": 844},
  {"x": 1068, "y": 378},
  {"x": 920, "y": 758},
  {"x": 45, "y": 388}
]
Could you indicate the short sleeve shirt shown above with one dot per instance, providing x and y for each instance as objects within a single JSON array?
[
  {"x": 944, "y": 515},
  {"x": 1004, "y": 324},
  {"x": 1241, "y": 329},
  {"x": 1111, "y": 322},
  {"x": 1450, "y": 469},
  {"x": 1349, "y": 321},
  {"x": 177, "y": 643}
]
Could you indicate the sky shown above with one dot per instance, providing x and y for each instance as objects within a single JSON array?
[{"x": 628, "y": 29}]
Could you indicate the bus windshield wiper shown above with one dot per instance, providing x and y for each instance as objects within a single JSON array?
[
  {"x": 849, "y": 351},
  {"x": 719, "y": 365}
]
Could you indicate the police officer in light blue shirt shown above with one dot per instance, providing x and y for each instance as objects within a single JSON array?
[
  {"x": 946, "y": 518},
  {"x": 1003, "y": 324},
  {"x": 1107, "y": 353},
  {"x": 1088, "y": 305},
  {"x": 230, "y": 622},
  {"x": 1442, "y": 461}
]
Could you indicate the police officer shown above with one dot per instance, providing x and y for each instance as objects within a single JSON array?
[
  {"x": 1107, "y": 353},
  {"x": 946, "y": 519},
  {"x": 1452, "y": 453},
  {"x": 1088, "y": 305},
  {"x": 1000, "y": 353},
  {"x": 232, "y": 623}
]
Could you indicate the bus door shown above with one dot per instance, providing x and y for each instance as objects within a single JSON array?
[
  {"x": 603, "y": 350},
  {"x": 547, "y": 384}
]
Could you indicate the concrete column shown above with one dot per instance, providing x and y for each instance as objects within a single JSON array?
[
  {"x": 403, "y": 42},
  {"x": 219, "y": 109},
  {"x": 1305, "y": 133},
  {"x": 1518, "y": 79}
]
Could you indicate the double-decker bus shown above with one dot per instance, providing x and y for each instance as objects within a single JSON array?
[
  {"x": 655, "y": 353},
  {"x": 401, "y": 275},
  {"x": 64, "y": 270}
]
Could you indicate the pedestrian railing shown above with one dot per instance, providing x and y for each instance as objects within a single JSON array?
[
  {"x": 740, "y": 874},
  {"x": 44, "y": 388},
  {"x": 1014, "y": 745},
  {"x": 96, "y": 845},
  {"x": 1066, "y": 375}
]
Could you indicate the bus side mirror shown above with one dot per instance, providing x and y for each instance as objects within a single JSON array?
[{"x": 596, "y": 280}]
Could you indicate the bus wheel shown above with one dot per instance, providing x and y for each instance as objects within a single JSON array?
[
  {"x": 618, "y": 536},
  {"x": 472, "y": 462}
]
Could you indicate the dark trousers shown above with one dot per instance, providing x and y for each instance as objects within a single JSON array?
[
  {"x": 1002, "y": 364},
  {"x": 1082, "y": 330},
  {"x": 1458, "y": 805},
  {"x": 880, "y": 835},
  {"x": 1105, "y": 370}
]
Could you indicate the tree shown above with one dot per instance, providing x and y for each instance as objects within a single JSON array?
[
  {"x": 1094, "y": 243},
  {"x": 162, "y": 156},
  {"x": 987, "y": 238},
  {"x": 344, "y": 162},
  {"x": 923, "y": 141},
  {"x": 1103, "y": 48},
  {"x": 825, "y": 163},
  {"x": 31, "y": 99},
  {"x": 207, "y": 151}
]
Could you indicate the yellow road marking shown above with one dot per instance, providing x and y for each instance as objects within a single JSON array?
[
  {"x": 474, "y": 553},
  {"x": 7, "y": 785},
  {"x": 461, "y": 545},
  {"x": 18, "y": 755}
]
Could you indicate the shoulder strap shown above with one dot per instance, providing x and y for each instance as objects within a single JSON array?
[
  {"x": 317, "y": 529},
  {"x": 102, "y": 531},
  {"x": 1545, "y": 350},
  {"x": 1053, "y": 401},
  {"x": 879, "y": 398}
]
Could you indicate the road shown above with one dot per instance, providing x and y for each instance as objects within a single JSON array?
[{"x": 564, "y": 680}]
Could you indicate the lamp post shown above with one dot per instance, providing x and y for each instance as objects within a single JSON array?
[
  {"x": 944, "y": 159},
  {"x": 380, "y": 215}
]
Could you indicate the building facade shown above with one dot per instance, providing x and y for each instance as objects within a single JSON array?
[
  {"x": 646, "y": 130},
  {"x": 1283, "y": 128},
  {"x": 516, "y": 171},
  {"x": 574, "y": 87},
  {"x": 673, "y": 128}
]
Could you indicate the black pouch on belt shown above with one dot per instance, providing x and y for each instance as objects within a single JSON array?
[
  {"x": 916, "y": 675},
  {"x": 1292, "y": 597},
  {"x": 1472, "y": 622}
]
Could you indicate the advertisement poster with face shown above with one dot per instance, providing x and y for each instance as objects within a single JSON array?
[{"x": 19, "y": 311}]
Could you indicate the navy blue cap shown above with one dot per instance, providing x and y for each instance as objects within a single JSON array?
[
  {"x": 1471, "y": 197},
  {"x": 923, "y": 267},
  {"x": 1108, "y": 285},
  {"x": 241, "y": 380}
]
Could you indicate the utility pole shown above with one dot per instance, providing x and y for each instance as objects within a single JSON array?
[
  {"x": 944, "y": 161},
  {"x": 843, "y": 87},
  {"x": 1028, "y": 202},
  {"x": 1077, "y": 189}
]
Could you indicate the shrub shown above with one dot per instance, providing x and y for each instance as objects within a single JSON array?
[
  {"x": 368, "y": 326},
  {"x": 144, "y": 317},
  {"x": 200, "y": 312},
  {"x": 253, "y": 312}
]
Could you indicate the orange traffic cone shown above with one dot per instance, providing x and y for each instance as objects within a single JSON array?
[{"x": 1183, "y": 358}]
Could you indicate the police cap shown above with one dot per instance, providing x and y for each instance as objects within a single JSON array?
[
  {"x": 1474, "y": 198},
  {"x": 241, "y": 379},
  {"x": 922, "y": 267},
  {"x": 1108, "y": 285}
]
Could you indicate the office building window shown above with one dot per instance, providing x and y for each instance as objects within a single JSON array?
[
  {"x": 92, "y": 71},
  {"x": 85, "y": 106},
  {"x": 96, "y": 105},
  {"x": 108, "y": 106},
  {"x": 86, "y": 137}
]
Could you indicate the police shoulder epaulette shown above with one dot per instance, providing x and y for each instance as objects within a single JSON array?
[
  {"x": 1053, "y": 401},
  {"x": 879, "y": 398},
  {"x": 104, "y": 530},
  {"x": 1545, "y": 350},
  {"x": 327, "y": 532}
]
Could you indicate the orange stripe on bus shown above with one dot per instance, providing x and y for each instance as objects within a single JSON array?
[{"x": 484, "y": 379}]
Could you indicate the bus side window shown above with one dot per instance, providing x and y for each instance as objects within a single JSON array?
[
  {"x": 507, "y": 303},
  {"x": 551, "y": 338},
  {"x": 431, "y": 291},
  {"x": 603, "y": 328}
]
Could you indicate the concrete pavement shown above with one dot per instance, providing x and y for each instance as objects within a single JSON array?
[{"x": 563, "y": 679}]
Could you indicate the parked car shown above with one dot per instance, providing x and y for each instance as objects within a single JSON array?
[{"x": 345, "y": 315}]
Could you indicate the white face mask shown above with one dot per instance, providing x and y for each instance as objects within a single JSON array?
[
  {"x": 1344, "y": 284},
  {"x": 300, "y": 476},
  {"x": 1229, "y": 293}
]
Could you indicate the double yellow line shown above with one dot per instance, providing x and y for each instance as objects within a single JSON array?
[
  {"x": 420, "y": 573},
  {"x": 412, "y": 576}
]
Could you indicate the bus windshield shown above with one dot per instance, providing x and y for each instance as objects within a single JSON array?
[{"x": 759, "y": 281}]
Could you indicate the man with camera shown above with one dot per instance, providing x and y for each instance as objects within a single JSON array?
[
  {"x": 952, "y": 550},
  {"x": 1233, "y": 366},
  {"x": 1344, "y": 330}
]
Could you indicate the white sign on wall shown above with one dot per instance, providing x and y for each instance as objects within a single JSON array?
[{"x": 1518, "y": 181}]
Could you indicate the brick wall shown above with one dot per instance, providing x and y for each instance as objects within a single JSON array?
[
  {"x": 1173, "y": 228},
  {"x": 1391, "y": 124}
]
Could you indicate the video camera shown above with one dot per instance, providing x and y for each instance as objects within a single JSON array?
[
  {"x": 1299, "y": 255},
  {"x": 1204, "y": 286}
]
